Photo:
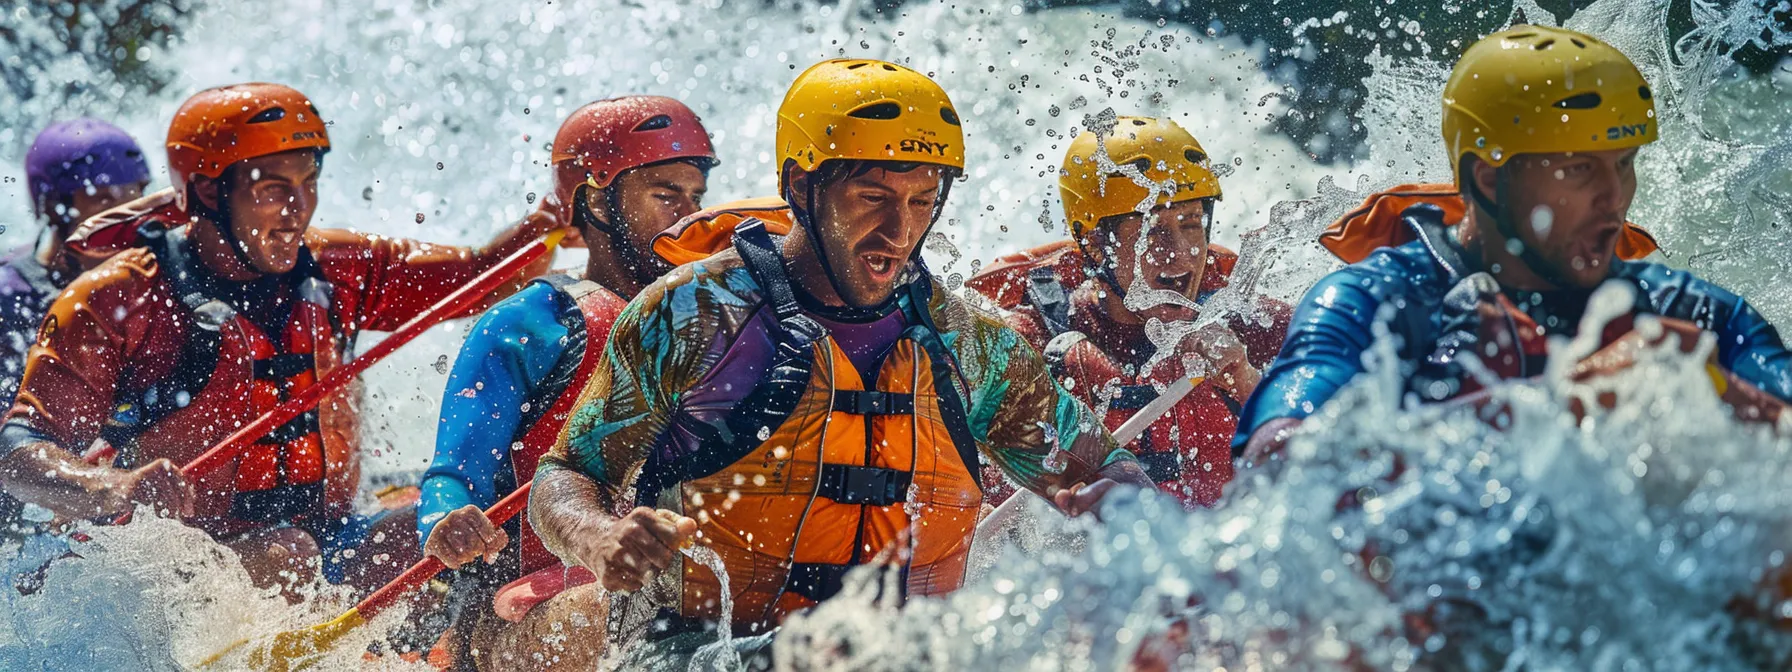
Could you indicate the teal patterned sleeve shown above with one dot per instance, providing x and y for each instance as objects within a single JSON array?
[
  {"x": 1040, "y": 436},
  {"x": 631, "y": 396}
]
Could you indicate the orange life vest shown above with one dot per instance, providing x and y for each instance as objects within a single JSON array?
[
  {"x": 1376, "y": 223},
  {"x": 598, "y": 307},
  {"x": 709, "y": 231},
  {"x": 827, "y": 469},
  {"x": 232, "y": 372}
]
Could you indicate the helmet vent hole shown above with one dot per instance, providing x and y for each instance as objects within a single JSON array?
[
  {"x": 1545, "y": 44},
  {"x": 884, "y": 110},
  {"x": 654, "y": 123},
  {"x": 889, "y": 67},
  {"x": 951, "y": 117},
  {"x": 1524, "y": 36},
  {"x": 1585, "y": 101},
  {"x": 1138, "y": 122},
  {"x": 1578, "y": 43},
  {"x": 267, "y": 115},
  {"x": 1645, "y": 93},
  {"x": 1194, "y": 156},
  {"x": 856, "y": 66}
]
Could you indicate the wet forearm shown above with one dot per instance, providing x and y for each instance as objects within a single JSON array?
[
  {"x": 44, "y": 474},
  {"x": 566, "y": 507}
]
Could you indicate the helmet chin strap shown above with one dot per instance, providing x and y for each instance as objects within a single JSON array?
[
  {"x": 1505, "y": 221},
  {"x": 625, "y": 251},
  {"x": 806, "y": 219}
]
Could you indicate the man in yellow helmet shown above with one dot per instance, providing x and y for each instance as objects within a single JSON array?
[
  {"x": 806, "y": 404},
  {"x": 1085, "y": 302},
  {"x": 1543, "y": 126}
]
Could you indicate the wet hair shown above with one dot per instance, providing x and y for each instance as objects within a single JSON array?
[{"x": 845, "y": 169}]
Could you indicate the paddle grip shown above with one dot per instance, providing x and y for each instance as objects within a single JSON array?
[{"x": 420, "y": 573}]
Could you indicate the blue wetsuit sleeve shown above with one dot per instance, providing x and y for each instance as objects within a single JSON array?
[
  {"x": 1750, "y": 347},
  {"x": 1327, "y": 336},
  {"x": 512, "y": 347}
]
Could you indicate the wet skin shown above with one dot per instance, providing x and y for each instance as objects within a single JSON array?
[
  {"x": 271, "y": 200},
  {"x": 1570, "y": 208},
  {"x": 652, "y": 199},
  {"x": 1173, "y": 259},
  {"x": 870, "y": 225}
]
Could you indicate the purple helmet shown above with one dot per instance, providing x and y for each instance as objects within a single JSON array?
[{"x": 70, "y": 155}]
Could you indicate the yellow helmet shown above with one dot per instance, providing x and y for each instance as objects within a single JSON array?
[
  {"x": 866, "y": 109},
  {"x": 1162, "y": 150},
  {"x": 1535, "y": 89}
]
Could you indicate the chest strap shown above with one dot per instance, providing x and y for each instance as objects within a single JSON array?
[
  {"x": 1049, "y": 298},
  {"x": 873, "y": 402}
]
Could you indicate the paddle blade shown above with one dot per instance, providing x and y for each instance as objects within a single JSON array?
[{"x": 295, "y": 650}]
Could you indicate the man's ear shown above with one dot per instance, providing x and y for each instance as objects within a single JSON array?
[
  {"x": 798, "y": 181},
  {"x": 1485, "y": 177},
  {"x": 206, "y": 190}
]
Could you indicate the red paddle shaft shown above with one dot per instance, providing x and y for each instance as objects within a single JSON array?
[{"x": 421, "y": 572}]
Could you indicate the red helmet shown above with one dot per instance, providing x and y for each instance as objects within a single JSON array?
[
  {"x": 602, "y": 139},
  {"x": 221, "y": 126}
]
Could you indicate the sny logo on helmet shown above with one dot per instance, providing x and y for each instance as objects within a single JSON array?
[
  {"x": 924, "y": 147},
  {"x": 1617, "y": 132}
]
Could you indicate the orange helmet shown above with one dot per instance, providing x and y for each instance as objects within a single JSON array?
[{"x": 220, "y": 126}]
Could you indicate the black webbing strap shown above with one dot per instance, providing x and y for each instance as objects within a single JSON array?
[
  {"x": 875, "y": 486},
  {"x": 1048, "y": 296},
  {"x": 300, "y": 425},
  {"x": 283, "y": 366},
  {"x": 953, "y": 411},
  {"x": 774, "y": 395},
  {"x": 873, "y": 402},
  {"x": 1162, "y": 466},
  {"x": 1132, "y": 397},
  {"x": 817, "y": 581}
]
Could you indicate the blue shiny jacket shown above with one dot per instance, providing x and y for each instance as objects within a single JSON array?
[
  {"x": 1331, "y": 328},
  {"x": 497, "y": 380}
]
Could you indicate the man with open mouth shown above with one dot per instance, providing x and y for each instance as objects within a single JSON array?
[
  {"x": 1086, "y": 303},
  {"x": 218, "y": 300},
  {"x": 801, "y": 405}
]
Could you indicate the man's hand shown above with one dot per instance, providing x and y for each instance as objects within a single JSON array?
[
  {"x": 1217, "y": 350},
  {"x": 1268, "y": 441},
  {"x": 1079, "y": 499},
  {"x": 158, "y": 484},
  {"x": 463, "y": 535},
  {"x": 627, "y": 553}
]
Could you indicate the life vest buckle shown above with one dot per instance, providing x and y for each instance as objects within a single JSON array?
[
  {"x": 873, "y": 402},
  {"x": 800, "y": 332},
  {"x": 875, "y": 486}
]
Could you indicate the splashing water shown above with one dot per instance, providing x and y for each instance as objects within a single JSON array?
[
  {"x": 1636, "y": 538},
  {"x": 721, "y": 655}
]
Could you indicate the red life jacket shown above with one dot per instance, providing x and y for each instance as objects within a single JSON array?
[
  {"x": 232, "y": 371},
  {"x": 599, "y": 308},
  {"x": 1188, "y": 451}
]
